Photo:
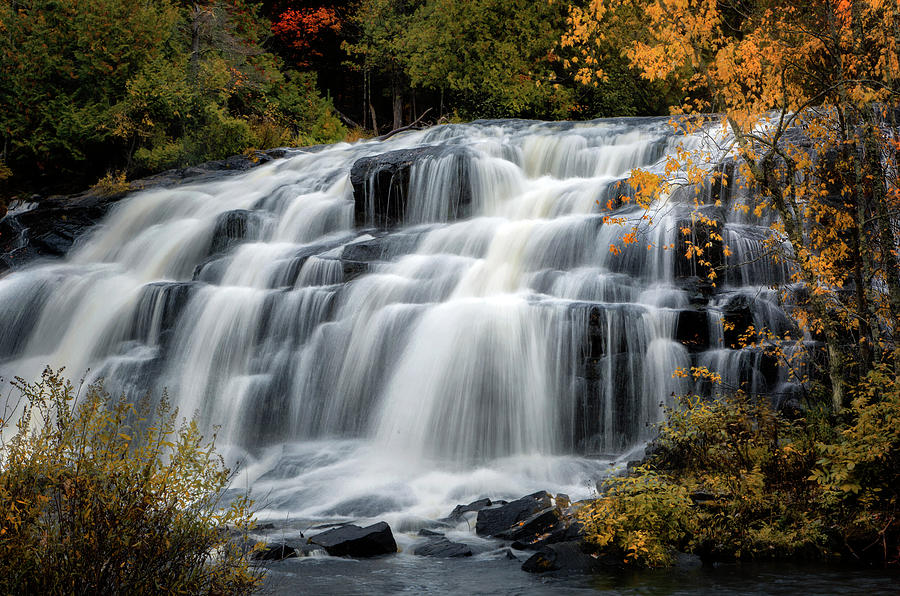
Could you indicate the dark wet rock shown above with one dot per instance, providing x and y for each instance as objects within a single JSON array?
[
  {"x": 50, "y": 227},
  {"x": 160, "y": 305},
  {"x": 380, "y": 248},
  {"x": 594, "y": 408},
  {"x": 443, "y": 548},
  {"x": 275, "y": 552},
  {"x": 494, "y": 520},
  {"x": 211, "y": 270},
  {"x": 564, "y": 556},
  {"x": 354, "y": 541},
  {"x": 461, "y": 510},
  {"x": 429, "y": 533},
  {"x": 532, "y": 528},
  {"x": 738, "y": 317},
  {"x": 692, "y": 330},
  {"x": 510, "y": 555},
  {"x": 381, "y": 185},
  {"x": 698, "y": 289},
  {"x": 706, "y": 226},
  {"x": 564, "y": 530},
  {"x": 354, "y": 269},
  {"x": 232, "y": 227},
  {"x": 356, "y": 257}
]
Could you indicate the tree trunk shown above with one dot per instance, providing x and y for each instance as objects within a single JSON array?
[{"x": 397, "y": 100}]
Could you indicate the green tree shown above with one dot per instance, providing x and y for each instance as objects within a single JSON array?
[
  {"x": 114, "y": 84},
  {"x": 64, "y": 66},
  {"x": 499, "y": 57}
]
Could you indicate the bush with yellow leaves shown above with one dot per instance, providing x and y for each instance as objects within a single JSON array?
[
  {"x": 98, "y": 496},
  {"x": 731, "y": 479},
  {"x": 639, "y": 519}
]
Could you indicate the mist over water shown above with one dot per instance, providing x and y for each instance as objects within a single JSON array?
[{"x": 487, "y": 344}]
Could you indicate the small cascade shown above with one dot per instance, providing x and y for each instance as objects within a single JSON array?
[{"x": 429, "y": 318}]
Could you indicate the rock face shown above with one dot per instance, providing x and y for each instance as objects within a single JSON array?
[
  {"x": 48, "y": 227},
  {"x": 354, "y": 541},
  {"x": 381, "y": 186},
  {"x": 541, "y": 523}
]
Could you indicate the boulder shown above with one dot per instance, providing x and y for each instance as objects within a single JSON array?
[
  {"x": 565, "y": 530},
  {"x": 461, "y": 510},
  {"x": 495, "y": 520},
  {"x": 564, "y": 556},
  {"x": 533, "y": 528},
  {"x": 354, "y": 541},
  {"x": 275, "y": 552},
  {"x": 233, "y": 227},
  {"x": 381, "y": 186},
  {"x": 443, "y": 548}
]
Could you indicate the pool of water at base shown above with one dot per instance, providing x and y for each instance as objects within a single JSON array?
[{"x": 495, "y": 574}]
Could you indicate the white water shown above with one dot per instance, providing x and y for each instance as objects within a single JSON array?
[{"x": 455, "y": 368}]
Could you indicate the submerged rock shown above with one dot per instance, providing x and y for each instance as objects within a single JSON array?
[
  {"x": 564, "y": 556},
  {"x": 443, "y": 548},
  {"x": 357, "y": 542},
  {"x": 275, "y": 552}
]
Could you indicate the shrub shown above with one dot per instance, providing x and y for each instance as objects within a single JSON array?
[
  {"x": 860, "y": 473},
  {"x": 97, "y": 499},
  {"x": 111, "y": 184},
  {"x": 726, "y": 479},
  {"x": 639, "y": 519}
]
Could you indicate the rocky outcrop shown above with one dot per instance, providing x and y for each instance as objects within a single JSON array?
[
  {"x": 381, "y": 186},
  {"x": 475, "y": 506},
  {"x": 48, "y": 227}
]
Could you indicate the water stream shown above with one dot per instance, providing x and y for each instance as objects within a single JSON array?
[{"x": 458, "y": 328}]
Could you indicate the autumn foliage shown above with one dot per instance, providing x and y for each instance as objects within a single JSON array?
[
  {"x": 97, "y": 499},
  {"x": 808, "y": 96},
  {"x": 302, "y": 29},
  {"x": 805, "y": 103}
]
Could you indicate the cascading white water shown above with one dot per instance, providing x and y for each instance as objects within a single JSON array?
[{"x": 431, "y": 363}]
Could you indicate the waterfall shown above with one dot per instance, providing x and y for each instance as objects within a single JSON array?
[{"x": 426, "y": 319}]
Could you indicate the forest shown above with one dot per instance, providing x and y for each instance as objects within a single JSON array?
[
  {"x": 123, "y": 87},
  {"x": 761, "y": 143}
]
